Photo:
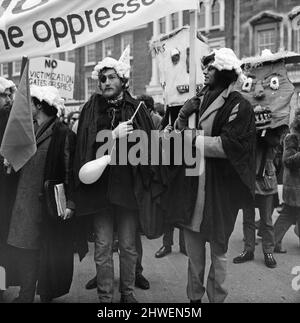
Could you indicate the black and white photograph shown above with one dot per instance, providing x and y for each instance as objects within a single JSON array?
[{"x": 149, "y": 155}]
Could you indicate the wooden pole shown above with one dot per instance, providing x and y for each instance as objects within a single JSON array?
[
  {"x": 23, "y": 64},
  {"x": 192, "y": 81}
]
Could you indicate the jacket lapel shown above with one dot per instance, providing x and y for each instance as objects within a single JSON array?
[
  {"x": 45, "y": 135},
  {"x": 217, "y": 104}
]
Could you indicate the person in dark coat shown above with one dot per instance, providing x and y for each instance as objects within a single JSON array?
[
  {"x": 111, "y": 200},
  {"x": 8, "y": 183},
  {"x": 290, "y": 214},
  {"x": 269, "y": 91},
  {"x": 227, "y": 147},
  {"x": 44, "y": 244}
]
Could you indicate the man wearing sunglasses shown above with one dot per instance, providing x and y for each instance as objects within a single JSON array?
[{"x": 111, "y": 201}]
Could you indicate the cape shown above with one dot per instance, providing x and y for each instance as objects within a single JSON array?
[{"x": 146, "y": 180}]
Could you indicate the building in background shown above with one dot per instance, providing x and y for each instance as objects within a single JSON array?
[
  {"x": 274, "y": 25},
  {"x": 247, "y": 26}
]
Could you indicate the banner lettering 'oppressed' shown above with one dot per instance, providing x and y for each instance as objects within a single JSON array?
[{"x": 41, "y": 27}]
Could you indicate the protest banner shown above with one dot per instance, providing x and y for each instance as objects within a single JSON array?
[
  {"x": 44, "y": 71},
  {"x": 42, "y": 27}
]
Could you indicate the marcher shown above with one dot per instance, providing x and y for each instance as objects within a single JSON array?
[
  {"x": 112, "y": 199},
  {"x": 168, "y": 242},
  {"x": 149, "y": 102},
  {"x": 290, "y": 213},
  {"x": 227, "y": 183},
  {"x": 269, "y": 91},
  {"x": 8, "y": 182},
  {"x": 73, "y": 118},
  {"x": 44, "y": 244}
]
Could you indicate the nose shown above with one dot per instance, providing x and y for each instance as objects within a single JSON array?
[{"x": 259, "y": 91}]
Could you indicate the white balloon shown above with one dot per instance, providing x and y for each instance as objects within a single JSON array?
[{"x": 90, "y": 172}]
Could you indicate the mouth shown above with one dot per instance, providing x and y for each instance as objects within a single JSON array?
[{"x": 263, "y": 116}]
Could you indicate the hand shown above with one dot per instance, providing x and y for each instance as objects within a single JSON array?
[
  {"x": 190, "y": 107},
  {"x": 68, "y": 214},
  {"x": 123, "y": 129},
  {"x": 169, "y": 128}
]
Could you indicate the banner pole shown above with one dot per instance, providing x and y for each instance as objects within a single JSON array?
[
  {"x": 192, "y": 63},
  {"x": 23, "y": 64}
]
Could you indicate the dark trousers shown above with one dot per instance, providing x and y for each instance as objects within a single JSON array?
[
  {"x": 168, "y": 238},
  {"x": 139, "y": 249},
  {"x": 28, "y": 267},
  {"x": 288, "y": 216},
  {"x": 266, "y": 207}
]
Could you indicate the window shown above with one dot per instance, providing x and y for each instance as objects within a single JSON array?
[
  {"x": 70, "y": 56},
  {"x": 215, "y": 13},
  {"x": 266, "y": 39},
  {"x": 17, "y": 67},
  {"x": 162, "y": 25},
  {"x": 55, "y": 56},
  {"x": 5, "y": 69},
  {"x": 90, "y": 54},
  {"x": 90, "y": 87},
  {"x": 108, "y": 47},
  {"x": 174, "y": 20},
  {"x": 201, "y": 16},
  {"x": 127, "y": 39},
  {"x": 298, "y": 41}
]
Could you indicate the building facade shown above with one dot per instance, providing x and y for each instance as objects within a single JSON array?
[
  {"x": 247, "y": 26},
  {"x": 274, "y": 25}
]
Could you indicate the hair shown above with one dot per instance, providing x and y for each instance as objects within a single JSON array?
[
  {"x": 48, "y": 109},
  {"x": 160, "y": 109},
  {"x": 225, "y": 77},
  {"x": 70, "y": 115},
  {"x": 207, "y": 59},
  {"x": 148, "y": 101},
  {"x": 124, "y": 80}
]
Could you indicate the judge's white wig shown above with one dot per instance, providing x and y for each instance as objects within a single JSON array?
[
  {"x": 50, "y": 95},
  {"x": 121, "y": 68},
  {"x": 6, "y": 84}
]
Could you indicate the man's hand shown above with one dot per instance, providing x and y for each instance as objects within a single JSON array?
[
  {"x": 123, "y": 129},
  {"x": 169, "y": 128},
  {"x": 68, "y": 214}
]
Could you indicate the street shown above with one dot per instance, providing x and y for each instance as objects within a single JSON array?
[{"x": 251, "y": 282}]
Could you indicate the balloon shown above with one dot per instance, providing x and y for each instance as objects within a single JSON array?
[{"x": 90, "y": 172}]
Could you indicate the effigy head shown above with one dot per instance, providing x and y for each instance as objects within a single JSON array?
[{"x": 268, "y": 88}]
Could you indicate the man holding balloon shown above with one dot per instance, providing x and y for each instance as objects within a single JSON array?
[{"x": 105, "y": 190}]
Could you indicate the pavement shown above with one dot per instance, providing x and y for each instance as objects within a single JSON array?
[{"x": 250, "y": 282}]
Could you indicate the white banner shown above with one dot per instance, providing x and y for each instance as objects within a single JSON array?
[
  {"x": 42, "y": 27},
  {"x": 44, "y": 71},
  {"x": 172, "y": 56}
]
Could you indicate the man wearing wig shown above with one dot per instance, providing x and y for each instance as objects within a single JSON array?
[
  {"x": 227, "y": 183},
  {"x": 111, "y": 200}
]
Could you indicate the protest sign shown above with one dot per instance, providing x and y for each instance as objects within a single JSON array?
[
  {"x": 172, "y": 54},
  {"x": 44, "y": 71},
  {"x": 42, "y": 27}
]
